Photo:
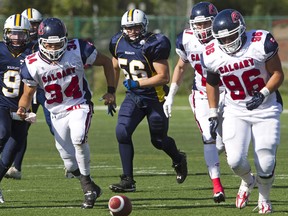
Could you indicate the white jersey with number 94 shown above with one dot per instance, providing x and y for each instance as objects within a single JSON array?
[{"x": 64, "y": 82}]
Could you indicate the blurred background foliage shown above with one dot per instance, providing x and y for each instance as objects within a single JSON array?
[
  {"x": 153, "y": 7},
  {"x": 99, "y": 20}
]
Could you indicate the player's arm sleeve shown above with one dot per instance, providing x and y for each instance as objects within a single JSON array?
[
  {"x": 26, "y": 76},
  {"x": 88, "y": 52},
  {"x": 270, "y": 46},
  {"x": 180, "y": 50},
  {"x": 114, "y": 43},
  {"x": 159, "y": 49},
  {"x": 212, "y": 78}
]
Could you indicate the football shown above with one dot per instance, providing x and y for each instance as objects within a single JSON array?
[{"x": 120, "y": 205}]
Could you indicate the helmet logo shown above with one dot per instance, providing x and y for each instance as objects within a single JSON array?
[
  {"x": 235, "y": 16},
  {"x": 41, "y": 29},
  {"x": 212, "y": 9}
]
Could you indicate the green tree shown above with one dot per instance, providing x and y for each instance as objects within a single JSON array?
[{"x": 111, "y": 8}]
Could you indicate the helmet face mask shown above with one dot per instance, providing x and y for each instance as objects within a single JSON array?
[
  {"x": 52, "y": 38},
  {"x": 34, "y": 29},
  {"x": 202, "y": 30},
  {"x": 201, "y": 19},
  {"x": 229, "y": 29},
  {"x": 16, "y": 33},
  {"x": 134, "y": 24}
]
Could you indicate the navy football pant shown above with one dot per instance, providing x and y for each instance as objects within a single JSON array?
[
  {"x": 13, "y": 134},
  {"x": 131, "y": 113}
]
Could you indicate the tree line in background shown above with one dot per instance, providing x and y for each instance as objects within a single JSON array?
[
  {"x": 86, "y": 24},
  {"x": 151, "y": 7}
]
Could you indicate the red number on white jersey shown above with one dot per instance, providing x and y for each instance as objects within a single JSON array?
[
  {"x": 73, "y": 90},
  {"x": 233, "y": 83}
]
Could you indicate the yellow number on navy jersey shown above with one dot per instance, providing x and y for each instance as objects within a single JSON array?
[
  {"x": 12, "y": 81},
  {"x": 136, "y": 69}
]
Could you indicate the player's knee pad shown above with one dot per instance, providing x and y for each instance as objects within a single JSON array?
[
  {"x": 122, "y": 134},
  {"x": 79, "y": 138},
  {"x": 265, "y": 162},
  {"x": 237, "y": 163}
]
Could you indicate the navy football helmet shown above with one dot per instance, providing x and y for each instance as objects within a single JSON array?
[
  {"x": 201, "y": 18},
  {"x": 229, "y": 29},
  {"x": 52, "y": 31}
]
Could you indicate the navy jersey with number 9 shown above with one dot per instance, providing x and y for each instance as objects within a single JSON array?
[{"x": 10, "y": 81}]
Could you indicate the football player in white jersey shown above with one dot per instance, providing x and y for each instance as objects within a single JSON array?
[
  {"x": 249, "y": 67},
  {"x": 189, "y": 46},
  {"x": 58, "y": 68}
]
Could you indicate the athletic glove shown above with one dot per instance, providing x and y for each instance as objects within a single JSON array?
[
  {"x": 131, "y": 84},
  {"x": 213, "y": 126},
  {"x": 167, "y": 106},
  {"x": 111, "y": 109},
  {"x": 213, "y": 122},
  {"x": 256, "y": 101}
]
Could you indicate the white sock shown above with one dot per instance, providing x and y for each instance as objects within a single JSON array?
[
  {"x": 82, "y": 152},
  {"x": 212, "y": 160},
  {"x": 248, "y": 178},
  {"x": 264, "y": 187}
]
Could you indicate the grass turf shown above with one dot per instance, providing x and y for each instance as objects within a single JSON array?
[{"x": 43, "y": 190}]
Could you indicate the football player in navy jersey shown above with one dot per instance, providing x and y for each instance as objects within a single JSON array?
[
  {"x": 248, "y": 64},
  {"x": 58, "y": 68},
  {"x": 142, "y": 56},
  {"x": 14, "y": 48},
  {"x": 190, "y": 44},
  {"x": 35, "y": 18}
]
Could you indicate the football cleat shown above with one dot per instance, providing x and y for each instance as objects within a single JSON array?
[
  {"x": 13, "y": 173},
  {"x": 1, "y": 197},
  {"x": 264, "y": 206},
  {"x": 219, "y": 197},
  {"x": 91, "y": 191},
  {"x": 244, "y": 193},
  {"x": 127, "y": 184},
  {"x": 91, "y": 196},
  {"x": 181, "y": 169}
]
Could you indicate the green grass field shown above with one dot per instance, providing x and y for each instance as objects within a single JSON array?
[{"x": 43, "y": 189}]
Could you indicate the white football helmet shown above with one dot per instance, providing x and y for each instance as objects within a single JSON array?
[
  {"x": 33, "y": 15},
  {"x": 131, "y": 18},
  {"x": 35, "y": 18},
  {"x": 16, "y": 32}
]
